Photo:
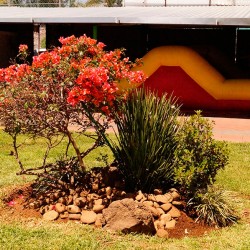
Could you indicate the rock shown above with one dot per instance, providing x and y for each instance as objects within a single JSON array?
[
  {"x": 159, "y": 225},
  {"x": 88, "y": 217},
  {"x": 129, "y": 216},
  {"x": 80, "y": 202},
  {"x": 153, "y": 211},
  {"x": 84, "y": 193},
  {"x": 120, "y": 194},
  {"x": 166, "y": 207},
  {"x": 165, "y": 217},
  {"x": 51, "y": 215},
  {"x": 98, "y": 208},
  {"x": 62, "y": 200},
  {"x": 75, "y": 216},
  {"x": 44, "y": 209},
  {"x": 157, "y": 191},
  {"x": 139, "y": 196},
  {"x": 156, "y": 204},
  {"x": 69, "y": 200},
  {"x": 90, "y": 204},
  {"x": 169, "y": 197},
  {"x": 34, "y": 205},
  {"x": 52, "y": 197},
  {"x": 174, "y": 212},
  {"x": 98, "y": 202},
  {"x": 64, "y": 215},
  {"x": 170, "y": 224},
  {"x": 101, "y": 191},
  {"x": 75, "y": 196},
  {"x": 92, "y": 197},
  {"x": 123, "y": 194},
  {"x": 99, "y": 222},
  {"x": 162, "y": 233},
  {"x": 60, "y": 208},
  {"x": 156, "y": 224},
  {"x": 175, "y": 194},
  {"x": 160, "y": 211},
  {"x": 72, "y": 209},
  {"x": 173, "y": 190},
  {"x": 108, "y": 191},
  {"x": 148, "y": 203},
  {"x": 178, "y": 203},
  {"x": 41, "y": 197},
  {"x": 151, "y": 197},
  {"x": 163, "y": 198},
  {"x": 95, "y": 186},
  {"x": 114, "y": 190},
  {"x": 105, "y": 202},
  {"x": 57, "y": 195},
  {"x": 72, "y": 191}
]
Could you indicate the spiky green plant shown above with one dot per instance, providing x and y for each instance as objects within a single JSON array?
[
  {"x": 213, "y": 208},
  {"x": 146, "y": 139}
]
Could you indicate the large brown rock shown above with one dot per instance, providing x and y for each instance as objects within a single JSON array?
[{"x": 129, "y": 216}]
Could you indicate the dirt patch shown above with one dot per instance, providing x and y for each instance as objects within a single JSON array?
[{"x": 15, "y": 208}]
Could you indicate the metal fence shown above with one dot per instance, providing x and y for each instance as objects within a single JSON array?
[
  {"x": 124, "y": 3},
  {"x": 185, "y": 2}
]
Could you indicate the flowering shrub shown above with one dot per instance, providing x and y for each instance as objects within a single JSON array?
[{"x": 76, "y": 83}]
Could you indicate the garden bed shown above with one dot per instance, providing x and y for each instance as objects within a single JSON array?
[{"x": 16, "y": 208}]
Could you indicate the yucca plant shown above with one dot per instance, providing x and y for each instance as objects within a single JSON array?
[
  {"x": 146, "y": 139},
  {"x": 213, "y": 208}
]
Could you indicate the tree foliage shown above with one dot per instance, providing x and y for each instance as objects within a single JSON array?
[
  {"x": 74, "y": 84},
  {"x": 108, "y": 3}
]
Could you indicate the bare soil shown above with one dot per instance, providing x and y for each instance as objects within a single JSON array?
[{"x": 15, "y": 208}]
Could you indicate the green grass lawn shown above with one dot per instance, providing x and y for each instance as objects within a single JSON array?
[{"x": 37, "y": 234}]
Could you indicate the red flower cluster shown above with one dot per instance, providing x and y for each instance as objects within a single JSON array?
[
  {"x": 23, "y": 48},
  {"x": 81, "y": 68},
  {"x": 99, "y": 72},
  {"x": 75, "y": 83}
]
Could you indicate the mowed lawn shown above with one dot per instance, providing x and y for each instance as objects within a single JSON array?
[{"x": 36, "y": 234}]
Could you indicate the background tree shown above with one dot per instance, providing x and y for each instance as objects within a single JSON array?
[{"x": 108, "y": 3}]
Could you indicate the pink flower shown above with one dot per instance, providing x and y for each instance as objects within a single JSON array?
[{"x": 11, "y": 203}]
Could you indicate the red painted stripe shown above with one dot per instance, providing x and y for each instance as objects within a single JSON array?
[{"x": 173, "y": 79}]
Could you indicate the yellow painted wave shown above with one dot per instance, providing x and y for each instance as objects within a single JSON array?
[{"x": 198, "y": 69}]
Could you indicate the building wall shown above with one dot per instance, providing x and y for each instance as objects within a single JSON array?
[
  {"x": 217, "y": 45},
  {"x": 11, "y": 36}
]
